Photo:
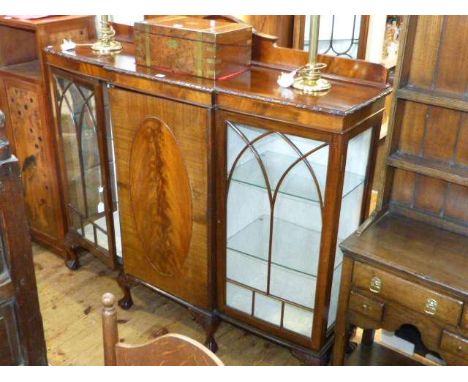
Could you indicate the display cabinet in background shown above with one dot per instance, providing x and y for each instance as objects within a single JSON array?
[{"x": 29, "y": 122}]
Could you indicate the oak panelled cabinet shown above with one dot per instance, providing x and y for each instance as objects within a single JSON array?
[
  {"x": 407, "y": 266},
  {"x": 228, "y": 196},
  {"x": 29, "y": 125}
]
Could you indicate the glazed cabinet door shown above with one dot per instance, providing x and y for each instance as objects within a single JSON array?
[
  {"x": 161, "y": 149},
  {"x": 21, "y": 332},
  {"x": 273, "y": 223},
  {"x": 86, "y": 159}
]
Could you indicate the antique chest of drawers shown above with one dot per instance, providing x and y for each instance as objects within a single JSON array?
[
  {"x": 408, "y": 265},
  {"x": 387, "y": 284}
]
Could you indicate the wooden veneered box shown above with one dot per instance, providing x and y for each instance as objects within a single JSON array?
[{"x": 205, "y": 48}]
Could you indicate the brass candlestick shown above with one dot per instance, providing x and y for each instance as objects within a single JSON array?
[
  {"x": 107, "y": 42},
  {"x": 308, "y": 79}
]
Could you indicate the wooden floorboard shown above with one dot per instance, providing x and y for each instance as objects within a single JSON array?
[{"x": 71, "y": 310}]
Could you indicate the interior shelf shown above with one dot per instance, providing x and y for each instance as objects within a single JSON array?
[
  {"x": 435, "y": 98},
  {"x": 292, "y": 244},
  {"x": 297, "y": 182},
  {"x": 440, "y": 170},
  {"x": 29, "y": 71},
  {"x": 294, "y": 260}
]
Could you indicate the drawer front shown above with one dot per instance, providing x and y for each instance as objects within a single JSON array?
[
  {"x": 414, "y": 296},
  {"x": 454, "y": 344},
  {"x": 366, "y": 306}
]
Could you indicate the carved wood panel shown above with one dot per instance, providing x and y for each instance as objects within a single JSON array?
[
  {"x": 161, "y": 150},
  {"x": 31, "y": 140}
]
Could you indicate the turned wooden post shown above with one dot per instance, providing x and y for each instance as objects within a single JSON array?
[{"x": 110, "y": 332}]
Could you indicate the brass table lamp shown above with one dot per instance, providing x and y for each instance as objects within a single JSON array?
[
  {"x": 107, "y": 42},
  {"x": 308, "y": 79}
]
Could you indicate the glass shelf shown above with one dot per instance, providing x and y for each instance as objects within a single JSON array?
[
  {"x": 296, "y": 183},
  {"x": 294, "y": 260},
  {"x": 296, "y": 248}
]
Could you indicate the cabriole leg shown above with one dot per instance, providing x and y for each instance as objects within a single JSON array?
[{"x": 125, "y": 284}]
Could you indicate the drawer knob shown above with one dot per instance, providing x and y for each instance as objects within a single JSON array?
[
  {"x": 459, "y": 349},
  {"x": 365, "y": 306},
  {"x": 375, "y": 284},
  {"x": 431, "y": 306}
]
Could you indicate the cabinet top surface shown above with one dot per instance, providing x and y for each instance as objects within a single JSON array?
[
  {"x": 34, "y": 23},
  {"x": 345, "y": 97},
  {"x": 424, "y": 251}
]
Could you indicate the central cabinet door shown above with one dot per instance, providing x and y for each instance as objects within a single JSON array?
[{"x": 161, "y": 149}]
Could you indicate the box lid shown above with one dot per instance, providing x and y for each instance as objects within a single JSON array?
[{"x": 193, "y": 28}]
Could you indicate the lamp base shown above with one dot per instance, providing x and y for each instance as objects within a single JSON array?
[
  {"x": 309, "y": 80},
  {"x": 105, "y": 47},
  {"x": 312, "y": 87}
]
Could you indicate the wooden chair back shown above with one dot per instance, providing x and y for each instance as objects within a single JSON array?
[{"x": 166, "y": 350}]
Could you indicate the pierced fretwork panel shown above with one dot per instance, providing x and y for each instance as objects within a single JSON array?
[
  {"x": 77, "y": 119},
  {"x": 275, "y": 201}
]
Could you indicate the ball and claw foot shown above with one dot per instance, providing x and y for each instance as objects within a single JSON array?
[
  {"x": 211, "y": 344},
  {"x": 126, "y": 302},
  {"x": 72, "y": 262}
]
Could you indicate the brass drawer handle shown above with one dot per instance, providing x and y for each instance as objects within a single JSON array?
[
  {"x": 375, "y": 284},
  {"x": 459, "y": 349},
  {"x": 431, "y": 306},
  {"x": 365, "y": 306}
]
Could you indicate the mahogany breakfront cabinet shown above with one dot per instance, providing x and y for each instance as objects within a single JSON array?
[
  {"x": 29, "y": 121},
  {"x": 231, "y": 195}
]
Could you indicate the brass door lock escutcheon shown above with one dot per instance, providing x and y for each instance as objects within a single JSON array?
[
  {"x": 431, "y": 306},
  {"x": 375, "y": 284}
]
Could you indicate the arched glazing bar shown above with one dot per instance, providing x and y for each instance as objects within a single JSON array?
[{"x": 302, "y": 158}]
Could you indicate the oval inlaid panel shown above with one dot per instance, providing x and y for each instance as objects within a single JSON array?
[{"x": 160, "y": 197}]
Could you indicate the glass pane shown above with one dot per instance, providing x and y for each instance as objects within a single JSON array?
[
  {"x": 113, "y": 176},
  {"x": 77, "y": 112},
  {"x": 298, "y": 320},
  {"x": 267, "y": 309},
  {"x": 339, "y": 35},
  {"x": 239, "y": 298},
  {"x": 276, "y": 186},
  {"x": 350, "y": 215}
]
